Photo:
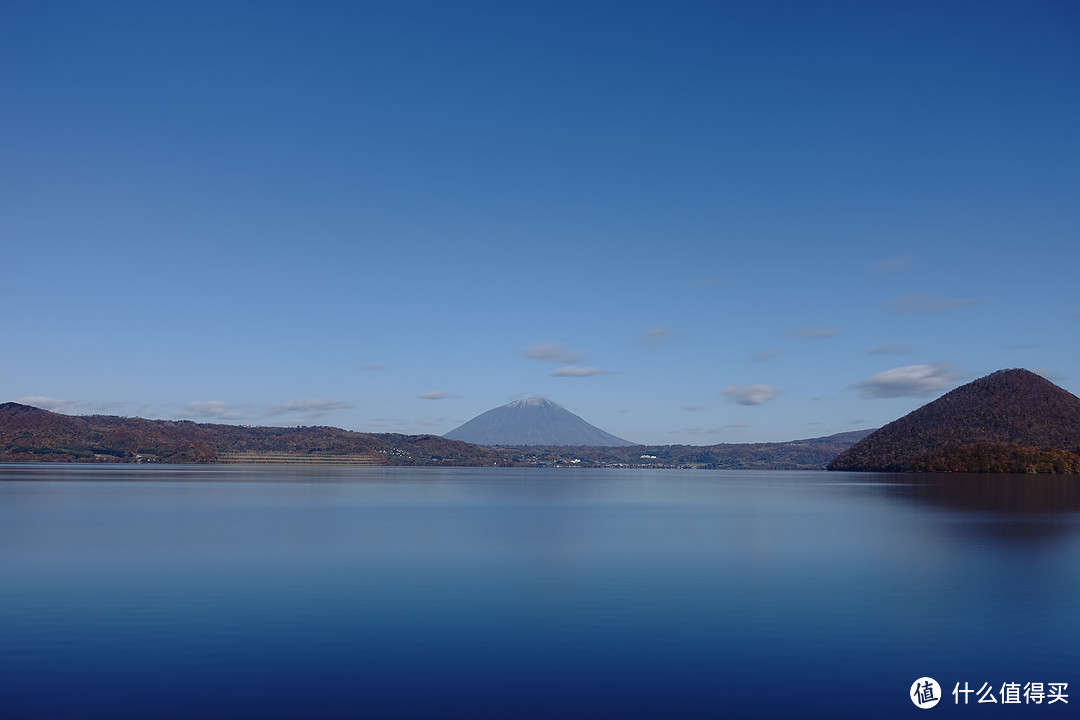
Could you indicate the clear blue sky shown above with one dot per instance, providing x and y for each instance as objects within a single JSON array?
[{"x": 687, "y": 222}]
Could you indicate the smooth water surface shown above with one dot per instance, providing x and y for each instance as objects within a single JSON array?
[{"x": 299, "y": 592}]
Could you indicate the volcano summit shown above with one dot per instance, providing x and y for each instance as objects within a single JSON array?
[{"x": 532, "y": 421}]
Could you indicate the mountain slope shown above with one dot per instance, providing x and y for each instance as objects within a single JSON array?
[
  {"x": 32, "y": 434},
  {"x": 29, "y": 434},
  {"x": 532, "y": 421},
  {"x": 1012, "y": 414}
]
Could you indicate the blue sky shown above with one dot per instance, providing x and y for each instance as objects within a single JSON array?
[{"x": 686, "y": 222}]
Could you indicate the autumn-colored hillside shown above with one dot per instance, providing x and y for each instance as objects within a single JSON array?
[
  {"x": 1008, "y": 421},
  {"x": 29, "y": 434}
]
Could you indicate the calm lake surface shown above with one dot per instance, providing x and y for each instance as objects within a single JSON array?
[{"x": 300, "y": 592}]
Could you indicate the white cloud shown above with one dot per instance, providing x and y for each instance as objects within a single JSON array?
[
  {"x": 71, "y": 407},
  {"x": 816, "y": 333},
  {"x": 763, "y": 355},
  {"x": 384, "y": 422},
  {"x": 751, "y": 394},
  {"x": 657, "y": 336},
  {"x": 308, "y": 407},
  {"x": 578, "y": 371},
  {"x": 891, "y": 264},
  {"x": 46, "y": 403},
  {"x": 693, "y": 408},
  {"x": 738, "y": 425},
  {"x": 927, "y": 302},
  {"x": 892, "y": 350},
  {"x": 1047, "y": 373},
  {"x": 103, "y": 407},
  {"x": 434, "y": 395},
  {"x": 553, "y": 352},
  {"x": 909, "y": 381},
  {"x": 209, "y": 409}
]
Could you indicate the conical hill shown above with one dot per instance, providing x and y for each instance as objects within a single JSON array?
[
  {"x": 1012, "y": 415},
  {"x": 532, "y": 421}
]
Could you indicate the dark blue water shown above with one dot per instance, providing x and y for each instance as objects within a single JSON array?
[{"x": 232, "y": 592}]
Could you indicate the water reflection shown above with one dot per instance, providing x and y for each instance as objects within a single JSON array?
[
  {"x": 226, "y": 592},
  {"x": 1010, "y": 507},
  {"x": 989, "y": 493}
]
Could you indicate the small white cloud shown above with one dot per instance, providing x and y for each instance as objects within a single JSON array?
[
  {"x": 751, "y": 394},
  {"x": 72, "y": 407},
  {"x": 307, "y": 407},
  {"x": 430, "y": 422},
  {"x": 892, "y": 350},
  {"x": 763, "y": 355},
  {"x": 738, "y": 425},
  {"x": 103, "y": 407},
  {"x": 384, "y": 422},
  {"x": 578, "y": 371},
  {"x": 909, "y": 381},
  {"x": 927, "y": 302},
  {"x": 553, "y": 352},
  {"x": 693, "y": 408},
  {"x": 891, "y": 264},
  {"x": 46, "y": 403},
  {"x": 434, "y": 395},
  {"x": 210, "y": 409},
  {"x": 655, "y": 337},
  {"x": 816, "y": 333}
]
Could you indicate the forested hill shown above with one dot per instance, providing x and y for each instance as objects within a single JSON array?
[
  {"x": 32, "y": 434},
  {"x": 1008, "y": 421},
  {"x": 29, "y": 434}
]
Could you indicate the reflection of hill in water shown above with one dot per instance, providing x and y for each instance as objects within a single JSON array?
[{"x": 1011, "y": 508}]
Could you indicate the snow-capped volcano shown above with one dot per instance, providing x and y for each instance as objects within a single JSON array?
[{"x": 532, "y": 421}]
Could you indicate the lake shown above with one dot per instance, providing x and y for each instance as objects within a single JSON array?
[{"x": 322, "y": 592}]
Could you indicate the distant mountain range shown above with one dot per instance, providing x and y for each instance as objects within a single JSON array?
[
  {"x": 1008, "y": 421},
  {"x": 533, "y": 421},
  {"x": 809, "y": 454},
  {"x": 30, "y": 434}
]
